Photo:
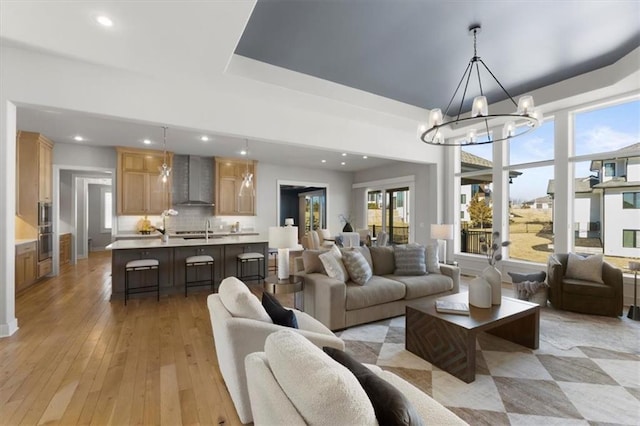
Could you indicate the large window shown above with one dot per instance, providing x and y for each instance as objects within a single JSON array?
[
  {"x": 606, "y": 186},
  {"x": 388, "y": 210},
  {"x": 531, "y": 194}
]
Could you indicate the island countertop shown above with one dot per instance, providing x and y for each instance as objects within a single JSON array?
[{"x": 148, "y": 243}]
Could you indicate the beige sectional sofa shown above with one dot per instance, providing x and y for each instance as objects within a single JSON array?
[{"x": 338, "y": 304}]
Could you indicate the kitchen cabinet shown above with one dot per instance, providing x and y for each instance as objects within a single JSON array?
[
  {"x": 26, "y": 265},
  {"x": 229, "y": 177},
  {"x": 33, "y": 174},
  {"x": 65, "y": 249},
  {"x": 140, "y": 190}
]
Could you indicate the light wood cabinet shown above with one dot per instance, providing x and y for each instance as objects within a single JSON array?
[
  {"x": 140, "y": 190},
  {"x": 33, "y": 174},
  {"x": 229, "y": 176},
  {"x": 26, "y": 265},
  {"x": 65, "y": 249}
]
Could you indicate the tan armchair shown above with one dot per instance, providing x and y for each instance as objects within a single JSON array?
[{"x": 587, "y": 297}]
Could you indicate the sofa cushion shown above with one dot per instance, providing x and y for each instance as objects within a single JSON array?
[
  {"x": 311, "y": 261},
  {"x": 390, "y": 405},
  {"x": 585, "y": 268},
  {"x": 383, "y": 260},
  {"x": 586, "y": 288},
  {"x": 240, "y": 302},
  {"x": 410, "y": 259},
  {"x": 357, "y": 266},
  {"x": 362, "y": 249},
  {"x": 334, "y": 266},
  {"x": 376, "y": 291},
  {"x": 323, "y": 391},
  {"x": 423, "y": 285},
  {"x": 431, "y": 252},
  {"x": 279, "y": 315}
]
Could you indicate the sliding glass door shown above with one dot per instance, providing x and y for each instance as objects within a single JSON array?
[{"x": 388, "y": 210}]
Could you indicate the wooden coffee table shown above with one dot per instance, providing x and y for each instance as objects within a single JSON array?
[{"x": 448, "y": 341}]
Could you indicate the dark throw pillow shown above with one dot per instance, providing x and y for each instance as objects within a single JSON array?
[
  {"x": 535, "y": 277},
  {"x": 389, "y": 404},
  {"x": 279, "y": 315}
]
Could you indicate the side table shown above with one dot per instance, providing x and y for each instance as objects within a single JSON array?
[{"x": 293, "y": 284}]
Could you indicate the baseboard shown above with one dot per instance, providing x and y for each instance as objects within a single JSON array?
[{"x": 7, "y": 330}]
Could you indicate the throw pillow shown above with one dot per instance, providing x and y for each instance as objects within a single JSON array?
[
  {"x": 336, "y": 251},
  {"x": 240, "y": 302},
  {"x": 323, "y": 391},
  {"x": 432, "y": 259},
  {"x": 362, "y": 249},
  {"x": 334, "y": 266},
  {"x": 389, "y": 404},
  {"x": 585, "y": 268},
  {"x": 357, "y": 266},
  {"x": 535, "y": 277},
  {"x": 383, "y": 260},
  {"x": 279, "y": 315},
  {"x": 410, "y": 259},
  {"x": 311, "y": 261}
]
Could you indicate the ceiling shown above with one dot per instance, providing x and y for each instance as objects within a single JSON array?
[
  {"x": 416, "y": 51},
  {"x": 409, "y": 51}
]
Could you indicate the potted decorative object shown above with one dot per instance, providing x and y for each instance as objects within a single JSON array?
[
  {"x": 491, "y": 273},
  {"x": 347, "y": 223},
  {"x": 163, "y": 231},
  {"x": 480, "y": 293}
]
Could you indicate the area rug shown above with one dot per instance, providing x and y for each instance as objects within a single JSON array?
[{"x": 586, "y": 371}]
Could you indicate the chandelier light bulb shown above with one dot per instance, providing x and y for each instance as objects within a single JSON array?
[
  {"x": 525, "y": 105},
  {"x": 509, "y": 130},
  {"x": 164, "y": 178},
  {"x": 480, "y": 107},
  {"x": 435, "y": 117},
  {"x": 537, "y": 114},
  {"x": 472, "y": 136}
]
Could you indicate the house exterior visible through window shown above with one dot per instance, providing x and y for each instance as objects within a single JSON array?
[
  {"x": 609, "y": 169},
  {"x": 631, "y": 238},
  {"x": 631, "y": 200},
  {"x": 107, "y": 209}
]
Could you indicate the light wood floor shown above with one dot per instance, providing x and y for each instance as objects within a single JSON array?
[{"x": 80, "y": 359}]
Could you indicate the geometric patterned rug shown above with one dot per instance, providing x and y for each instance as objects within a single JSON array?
[{"x": 585, "y": 372}]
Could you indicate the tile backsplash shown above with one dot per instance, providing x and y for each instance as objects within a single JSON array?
[{"x": 188, "y": 219}]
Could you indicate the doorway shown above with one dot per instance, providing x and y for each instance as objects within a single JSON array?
[
  {"x": 305, "y": 202},
  {"x": 388, "y": 210}
]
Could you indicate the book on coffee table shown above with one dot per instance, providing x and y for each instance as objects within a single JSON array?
[{"x": 447, "y": 307}]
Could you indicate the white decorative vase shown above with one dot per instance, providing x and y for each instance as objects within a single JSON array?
[
  {"x": 480, "y": 293},
  {"x": 165, "y": 238},
  {"x": 494, "y": 278}
]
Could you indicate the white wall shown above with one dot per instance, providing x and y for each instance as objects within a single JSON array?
[
  {"x": 65, "y": 203},
  {"x": 633, "y": 169},
  {"x": 617, "y": 219}
]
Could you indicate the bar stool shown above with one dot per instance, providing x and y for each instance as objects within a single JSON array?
[
  {"x": 194, "y": 263},
  {"x": 141, "y": 265},
  {"x": 247, "y": 259}
]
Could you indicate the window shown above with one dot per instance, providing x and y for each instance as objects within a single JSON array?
[
  {"x": 605, "y": 129},
  {"x": 609, "y": 169},
  {"x": 388, "y": 210},
  {"x": 631, "y": 200},
  {"x": 463, "y": 198},
  {"x": 107, "y": 208},
  {"x": 631, "y": 238}
]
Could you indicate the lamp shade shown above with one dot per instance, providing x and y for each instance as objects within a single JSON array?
[
  {"x": 288, "y": 221},
  {"x": 442, "y": 232},
  {"x": 283, "y": 237}
]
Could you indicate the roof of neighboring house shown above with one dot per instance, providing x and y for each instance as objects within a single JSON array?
[
  {"x": 473, "y": 161},
  {"x": 540, "y": 200},
  {"x": 630, "y": 151},
  {"x": 581, "y": 184},
  {"x": 617, "y": 183},
  {"x": 470, "y": 162}
]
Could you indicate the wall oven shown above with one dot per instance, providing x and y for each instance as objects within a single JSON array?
[
  {"x": 44, "y": 214},
  {"x": 45, "y": 242}
]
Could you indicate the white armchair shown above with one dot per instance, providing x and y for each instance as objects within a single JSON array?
[{"x": 236, "y": 337}]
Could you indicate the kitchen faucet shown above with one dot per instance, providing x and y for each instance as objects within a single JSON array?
[{"x": 207, "y": 226}]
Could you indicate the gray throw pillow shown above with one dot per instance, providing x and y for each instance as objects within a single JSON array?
[
  {"x": 538, "y": 277},
  {"x": 410, "y": 260},
  {"x": 311, "y": 261},
  {"x": 432, "y": 259},
  {"x": 585, "y": 268},
  {"x": 357, "y": 266},
  {"x": 383, "y": 260}
]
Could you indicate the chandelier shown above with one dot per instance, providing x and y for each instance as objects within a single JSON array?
[
  {"x": 440, "y": 132},
  {"x": 246, "y": 188},
  {"x": 165, "y": 170}
]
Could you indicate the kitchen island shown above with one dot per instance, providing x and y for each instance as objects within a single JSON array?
[{"x": 172, "y": 255}]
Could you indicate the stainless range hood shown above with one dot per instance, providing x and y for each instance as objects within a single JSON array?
[{"x": 193, "y": 181}]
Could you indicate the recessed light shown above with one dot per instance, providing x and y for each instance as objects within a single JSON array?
[
  {"x": 344, "y": 154},
  {"x": 324, "y": 161},
  {"x": 243, "y": 152},
  {"x": 78, "y": 138},
  {"x": 204, "y": 138},
  {"x": 105, "y": 21},
  {"x": 146, "y": 142},
  {"x": 365, "y": 157},
  {"x": 343, "y": 163}
]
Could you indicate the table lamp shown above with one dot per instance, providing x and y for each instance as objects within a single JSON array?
[
  {"x": 442, "y": 232},
  {"x": 283, "y": 239},
  {"x": 288, "y": 221}
]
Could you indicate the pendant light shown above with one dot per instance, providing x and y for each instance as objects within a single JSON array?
[
  {"x": 246, "y": 188},
  {"x": 165, "y": 170}
]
